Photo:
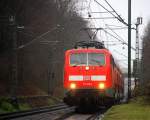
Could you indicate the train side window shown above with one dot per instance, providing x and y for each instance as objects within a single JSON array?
[{"x": 112, "y": 61}]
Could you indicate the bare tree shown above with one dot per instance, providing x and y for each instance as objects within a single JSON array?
[
  {"x": 40, "y": 63},
  {"x": 146, "y": 61}
]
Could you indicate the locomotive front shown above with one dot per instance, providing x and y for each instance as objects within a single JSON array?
[{"x": 86, "y": 76}]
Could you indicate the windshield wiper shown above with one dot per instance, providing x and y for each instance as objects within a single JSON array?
[
  {"x": 75, "y": 65},
  {"x": 97, "y": 62}
]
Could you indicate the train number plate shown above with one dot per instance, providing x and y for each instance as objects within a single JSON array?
[
  {"x": 86, "y": 78},
  {"x": 87, "y": 84}
]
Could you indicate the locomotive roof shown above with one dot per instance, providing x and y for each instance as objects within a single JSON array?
[
  {"x": 88, "y": 44},
  {"x": 89, "y": 50}
]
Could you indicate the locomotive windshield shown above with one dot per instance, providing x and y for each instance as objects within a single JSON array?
[{"x": 82, "y": 59}]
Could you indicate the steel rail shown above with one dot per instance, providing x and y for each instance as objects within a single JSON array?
[
  {"x": 66, "y": 115},
  {"x": 94, "y": 116},
  {"x": 8, "y": 116},
  {"x": 98, "y": 115}
]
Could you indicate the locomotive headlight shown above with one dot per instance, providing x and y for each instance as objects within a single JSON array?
[
  {"x": 101, "y": 86},
  {"x": 73, "y": 86},
  {"x": 87, "y": 68}
]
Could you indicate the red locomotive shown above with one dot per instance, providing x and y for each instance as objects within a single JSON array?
[{"x": 91, "y": 76}]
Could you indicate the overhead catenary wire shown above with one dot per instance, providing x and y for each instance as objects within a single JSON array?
[
  {"x": 121, "y": 19},
  {"x": 37, "y": 38},
  {"x": 94, "y": 19},
  {"x": 90, "y": 12},
  {"x": 124, "y": 59},
  {"x": 89, "y": 4},
  {"x": 100, "y": 18},
  {"x": 123, "y": 42},
  {"x": 114, "y": 16},
  {"x": 120, "y": 53},
  {"x": 114, "y": 25},
  {"x": 105, "y": 28},
  {"x": 33, "y": 36},
  {"x": 116, "y": 34},
  {"x": 118, "y": 18},
  {"x": 91, "y": 19},
  {"x": 101, "y": 12}
]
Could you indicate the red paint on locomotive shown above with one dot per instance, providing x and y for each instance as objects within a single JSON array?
[
  {"x": 80, "y": 71},
  {"x": 93, "y": 74}
]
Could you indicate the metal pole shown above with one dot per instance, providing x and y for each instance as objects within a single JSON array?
[
  {"x": 129, "y": 49},
  {"x": 136, "y": 55},
  {"x": 14, "y": 66}
]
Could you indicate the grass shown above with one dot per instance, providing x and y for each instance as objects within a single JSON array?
[
  {"x": 24, "y": 106},
  {"x": 6, "y": 105},
  {"x": 51, "y": 102},
  {"x": 135, "y": 110}
]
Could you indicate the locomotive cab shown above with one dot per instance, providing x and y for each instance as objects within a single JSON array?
[
  {"x": 86, "y": 69},
  {"x": 88, "y": 75}
]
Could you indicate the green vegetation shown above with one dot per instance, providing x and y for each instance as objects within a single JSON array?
[
  {"x": 51, "y": 102},
  {"x": 24, "y": 106},
  {"x": 6, "y": 106},
  {"x": 137, "y": 109}
]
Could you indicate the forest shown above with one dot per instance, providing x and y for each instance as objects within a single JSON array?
[{"x": 40, "y": 32}]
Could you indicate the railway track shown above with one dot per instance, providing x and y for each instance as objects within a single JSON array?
[
  {"x": 52, "y": 109},
  {"x": 74, "y": 116},
  {"x": 57, "y": 112},
  {"x": 96, "y": 116},
  {"x": 92, "y": 116}
]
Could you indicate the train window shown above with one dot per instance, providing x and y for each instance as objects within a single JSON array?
[
  {"x": 112, "y": 61},
  {"x": 78, "y": 59},
  {"x": 96, "y": 59},
  {"x": 82, "y": 59}
]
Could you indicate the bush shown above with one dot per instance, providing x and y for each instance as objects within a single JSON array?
[
  {"x": 138, "y": 91},
  {"x": 147, "y": 89},
  {"x": 51, "y": 102},
  {"x": 24, "y": 107},
  {"x": 6, "y": 106}
]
